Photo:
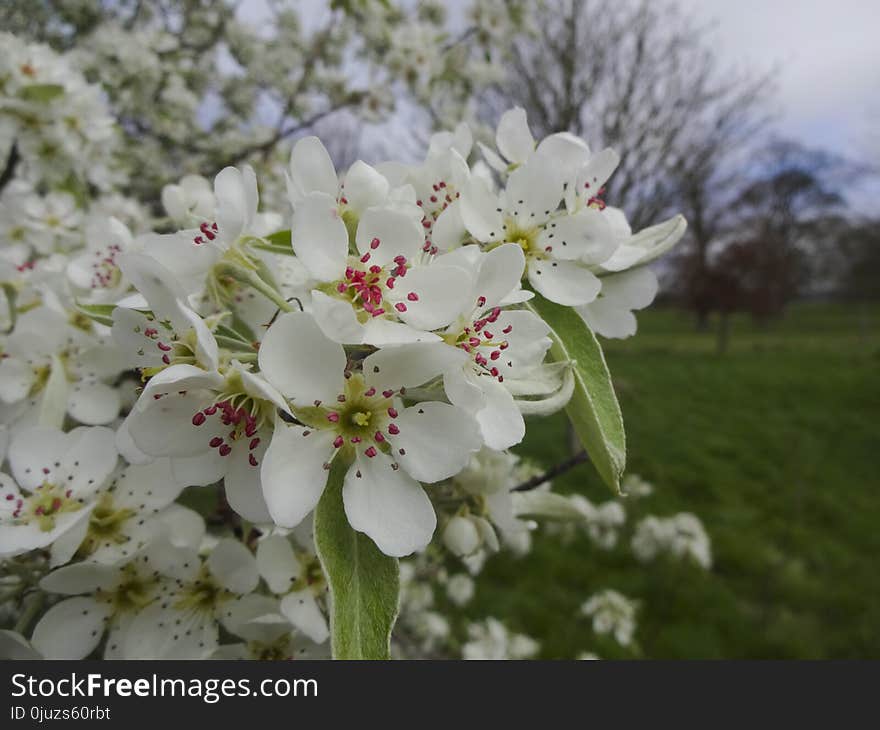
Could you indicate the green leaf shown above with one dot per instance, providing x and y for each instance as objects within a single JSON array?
[
  {"x": 364, "y": 582},
  {"x": 42, "y": 93},
  {"x": 100, "y": 313},
  {"x": 593, "y": 409},
  {"x": 281, "y": 238}
]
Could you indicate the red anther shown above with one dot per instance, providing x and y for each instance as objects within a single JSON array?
[
  {"x": 481, "y": 301},
  {"x": 166, "y": 359},
  {"x": 340, "y": 287},
  {"x": 504, "y": 345},
  {"x": 494, "y": 372},
  {"x": 253, "y": 444},
  {"x": 389, "y": 282},
  {"x": 474, "y": 341},
  {"x": 56, "y": 504},
  {"x": 393, "y": 429},
  {"x": 507, "y": 330},
  {"x": 412, "y": 296},
  {"x": 374, "y": 244},
  {"x": 198, "y": 419},
  {"x": 378, "y": 312},
  {"x": 400, "y": 307},
  {"x": 225, "y": 450},
  {"x": 333, "y": 417},
  {"x": 375, "y": 269},
  {"x": 488, "y": 335},
  {"x": 338, "y": 441},
  {"x": 210, "y": 410},
  {"x": 495, "y": 354},
  {"x": 10, "y": 497},
  {"x": 370, "y": 393},
  {"x": 355, "y": 439},
  {"x": 392, "y": 412},
  {"x": 399, "y": 260},
  {"x": 433, "y": 198},
  {"x": 215, "y": 442},
  {"x": 162, "y": 346},
  {"x": 252, "y": 460},
  {"x": 371, "y": 451},
  {"x": 387, "y": 393},
  {"x": 378, "y": 437},
  {"x": 365, "y": 257}
]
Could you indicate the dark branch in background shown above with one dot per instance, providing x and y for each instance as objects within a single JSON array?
[
  {"x": 9, "y": 169},
  {"x": 554, "y": 471}
]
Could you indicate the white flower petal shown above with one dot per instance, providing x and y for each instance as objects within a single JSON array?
[
  {"x": 233, "y": 566},
  {"x": 311, "y": 169},
  {"x": 438, "y": 289},
  {"x": 437, "y": 438},
  {"x": 513, "y": 138},
  {"x": 93, "y": 403},
  {"x": 585, "y": 236},
  {"x": 364, "y": 186},
  {"x": 337, "y": 319},
  {"x": 147, "y": 486},
  {"x": 480, "y": 211},
  {"x": 564, "y": 282},
  {"x": 293, "y": 473},
  {"x": 16, "y": 380},
  {"x": 501, "y": 423},
  {"x": 81, "y": 578},
  {"x": 388, "y": 505},
  {"x": 34, "y": 449},
  {"x": 398, "y": 235},
  {"x": 299, "y": 360},
  {"x": 533, "y": 192},
  {"x": 409, "y": 366},
  {"x": 89, "y": 461},
  {"x": 244, "y": 491},
  {"x": 277, "y": 563},
  {"x": 319, "y": 236},
  {"x": 449, "y": 230},
  {"x": 71, "y": 629},
  {"x": 500, "y": 273},
  {"x": 301, "y": 609}
]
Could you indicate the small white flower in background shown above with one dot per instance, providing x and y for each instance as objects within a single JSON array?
[
  {"x": 636, "y": 487},
  {"x": 682, "y": 536},
  {"x": 612, "y": 613},
  {"x": 460, "y": 589},
  {"x": 57, "y": 476},
  {"x": 191, "y": 200},
  {"x": 296, "y": 577},
  {"x": 603, "y": 522},
  {"x": 195, "y": 598},
  {"x": 51, "y": 369},
  {"x": 95, "y": 271},
  {"x": 491, "y": 639},
  {"x": 102, "y": 599}
]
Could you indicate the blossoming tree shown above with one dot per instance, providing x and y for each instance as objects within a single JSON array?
[{"x": 344, "y": 373}]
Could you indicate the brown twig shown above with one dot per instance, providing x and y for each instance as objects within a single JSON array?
[{"x": 554, "y": 471}]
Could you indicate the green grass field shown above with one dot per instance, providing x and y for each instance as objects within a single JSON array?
[{"x": 775, "y": 446}]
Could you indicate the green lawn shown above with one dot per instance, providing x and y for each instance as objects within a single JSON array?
[{"x": 775, "y": 446}]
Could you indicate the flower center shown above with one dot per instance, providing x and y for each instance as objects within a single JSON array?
[
  {"x": 202, "y": 595},
  {"x": 105, "y": 525},
  {"x": 482, "y": 343},
  {"x": 133, "y": 592},
  {"x": 44, "y": 505},
  {"x": 367, "y": 286},
  {"x": 106, "y": 273}
]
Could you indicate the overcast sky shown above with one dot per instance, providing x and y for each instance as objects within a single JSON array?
[{"x": 828, "y": 59}]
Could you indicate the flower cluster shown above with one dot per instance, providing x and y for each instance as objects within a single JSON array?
[{"x": 176, "y": 405}]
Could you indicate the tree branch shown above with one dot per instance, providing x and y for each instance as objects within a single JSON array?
[{"x": 554, "y": 471}]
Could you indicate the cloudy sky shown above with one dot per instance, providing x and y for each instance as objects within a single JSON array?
[{"x": 827, "y": 56}]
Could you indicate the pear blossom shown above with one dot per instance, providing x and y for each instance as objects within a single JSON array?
[
  {"x": 390, "y": 447},
  {"x": 296, "y": 577},
  {"x": 195, "y": 598},
  {"x": 612, "y": 613},
  {"x": 56, "y": 477},
  {"x": 51, "y": 368},
  {"x": 95, "y": 271}
]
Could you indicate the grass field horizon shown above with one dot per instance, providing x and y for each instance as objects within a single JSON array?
[{"x": 774, "y": 446}]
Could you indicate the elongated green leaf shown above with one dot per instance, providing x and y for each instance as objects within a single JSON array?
[
  {"x": 593, "y": 409},
  {"x": 100, "y": 313},
  {"x": 364, "y": 582},
  {"x": 41, "y": 92}
]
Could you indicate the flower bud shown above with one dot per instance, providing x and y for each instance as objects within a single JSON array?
[{"x": 461, "y": 536}]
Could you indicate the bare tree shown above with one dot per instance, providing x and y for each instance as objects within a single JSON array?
[{"x": 638, "y": 76}]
